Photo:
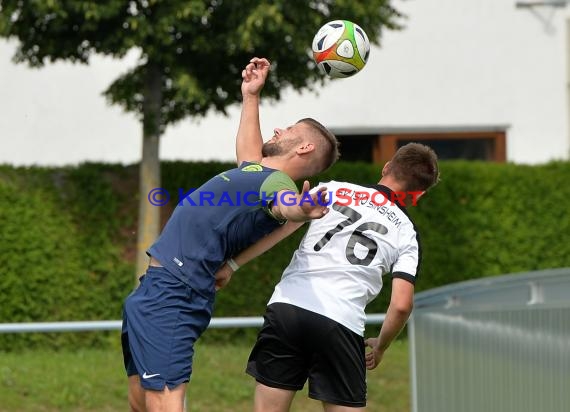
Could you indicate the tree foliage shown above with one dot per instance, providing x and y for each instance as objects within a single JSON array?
[{"x": 199, "y": 47}]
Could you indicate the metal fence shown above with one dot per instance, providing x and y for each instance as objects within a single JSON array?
[
  {"x": 235, "y": 322},
  {"x": 495, "y": 344}
]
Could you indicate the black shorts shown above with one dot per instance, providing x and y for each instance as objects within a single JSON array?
[{"x": 295, "y": 344}]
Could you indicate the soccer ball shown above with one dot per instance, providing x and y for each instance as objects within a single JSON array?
[{"x": 340, "y": 48}]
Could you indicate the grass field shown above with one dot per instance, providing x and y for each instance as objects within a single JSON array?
[{"x": 93, "y": 380}]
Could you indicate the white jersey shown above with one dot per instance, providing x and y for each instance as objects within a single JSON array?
[{"x": 337, "y": 269}]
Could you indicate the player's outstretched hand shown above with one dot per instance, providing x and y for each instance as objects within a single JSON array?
[
  {"x": 313, "y": 205},
  {"x": 254, "y": 76},
  {"x": 303, "y": 206},
  {"x": 223, "y": 276},
  {"x": 374, "y": 357}
]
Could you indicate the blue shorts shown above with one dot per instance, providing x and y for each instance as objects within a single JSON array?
[{"x": 162, "y": 319}]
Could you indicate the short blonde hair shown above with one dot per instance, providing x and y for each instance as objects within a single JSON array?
[{"x": 327, "y": 146}]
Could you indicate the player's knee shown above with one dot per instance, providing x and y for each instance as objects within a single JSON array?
[
  {"x": 136, "y": 403},
  {"x": 136, "y": 395},
  {"x": 166, "y": 400},
  {"x": 329, "y": 407}
]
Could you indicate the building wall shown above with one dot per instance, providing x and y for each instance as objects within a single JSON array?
[{"x": 457, "y": 63}]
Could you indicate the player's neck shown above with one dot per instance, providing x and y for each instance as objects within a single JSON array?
[
  {"x": 286, "y": 165},
  {"x": 391, "y": 184}
]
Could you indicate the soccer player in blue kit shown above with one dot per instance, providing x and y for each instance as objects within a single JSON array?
[{"x": 171, "y": 308}]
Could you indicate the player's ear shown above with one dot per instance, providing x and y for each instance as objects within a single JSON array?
[
  {"x": 305, "y": 148},
  {"x": 386, "y": 169}
]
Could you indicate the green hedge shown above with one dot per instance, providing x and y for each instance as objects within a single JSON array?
[
  {"x": 68, "y": 236},
  {"x": 61, "y": 255}
]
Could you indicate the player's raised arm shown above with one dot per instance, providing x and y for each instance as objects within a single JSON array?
[{"x": 249, "y": 140}]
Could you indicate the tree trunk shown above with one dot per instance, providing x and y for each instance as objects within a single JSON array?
[{"x": 149, "y": 172}]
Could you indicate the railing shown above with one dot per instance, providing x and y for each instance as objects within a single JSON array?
[{"x": 235, "y": 322}]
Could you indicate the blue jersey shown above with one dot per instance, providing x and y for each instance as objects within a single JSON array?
[{"x": 222, "y": 217}]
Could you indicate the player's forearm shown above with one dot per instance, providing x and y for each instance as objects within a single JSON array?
[
  {"x": 291, "y": 213},
  {"x": 249, "y": 140},
  {"x": 302, "y": 206},
  {"x": 266, "y": 243},
  {"x": 393, "y": 324}
]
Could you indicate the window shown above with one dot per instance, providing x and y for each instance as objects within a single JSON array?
[{"x": 485, "y": 144}]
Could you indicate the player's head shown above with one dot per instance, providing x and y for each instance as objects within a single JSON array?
[
  {"x": 313, "y": 145},
  {"x": 326, "y": 144},
  {"x": 414, "y": 167}
]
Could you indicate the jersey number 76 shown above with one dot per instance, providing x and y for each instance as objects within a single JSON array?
[{"x": 358, "y": 236}]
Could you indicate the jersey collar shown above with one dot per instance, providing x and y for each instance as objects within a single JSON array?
[{"x": 389, "y": 193}]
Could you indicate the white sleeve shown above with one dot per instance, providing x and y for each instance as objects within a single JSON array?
[{"x": 406, "y": 267}]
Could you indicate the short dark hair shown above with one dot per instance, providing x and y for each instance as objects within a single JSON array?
[
  {"x": 415, "y": 165},
  {"x": 328, "y": 151}
]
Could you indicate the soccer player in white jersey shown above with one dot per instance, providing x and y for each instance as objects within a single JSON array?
[{"x": 314, "y": 323}]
